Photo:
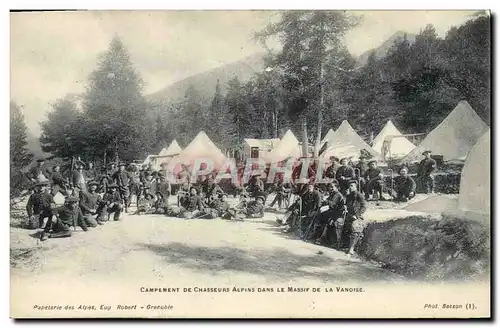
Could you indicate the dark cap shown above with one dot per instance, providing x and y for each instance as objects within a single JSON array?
[
  {"x": 372, "y": 161},
  {"x": 92, "y": 183},
  {"x": 112, "y": 163},
  {"x": 39, "y": 160},
  {"x": 426, "y": 152},
  {"x": 261, "y": 197},
  {"x": 113, "y": 185},
  {"x": 353, "y": 182},
  {"x": 335, "y": 182},
  {"x": 122, "y": 164}
]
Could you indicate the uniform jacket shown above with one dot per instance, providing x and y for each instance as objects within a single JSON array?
[
  {"x": 68, "y": 216},
  {"x": 346, "y": 172},
  {"x": 194, "y": 203},
  {"x": 35, "y": 171},
  {"x": 78, "y": 179},
  {"x": 356, "y": 204},
  {"x": 404, "y": 184},
  {"x": 311, "y": 201},
  {"x": 427, "y": 166},
  {"x": 110, "y": 198},
  {"x": 89, "y": 201},
  {"x": 122, "y": 179},
  {"x": 39, "y": 202},
  {"x": 373, "y": 174}
]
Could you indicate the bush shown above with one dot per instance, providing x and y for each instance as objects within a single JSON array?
[{"x": 421, "y": 247}]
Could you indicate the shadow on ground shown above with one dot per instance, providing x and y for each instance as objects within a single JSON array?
[{"x": 275, "y": 264}]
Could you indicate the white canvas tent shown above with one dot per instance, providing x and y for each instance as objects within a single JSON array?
[
  {"x": 201, "y": 147},
  {"x": 172, "y": 150},
  {"x": 398, "y": 145},
  {"x": 263, "y": 146},
  {"x": 345, "y": 142},
  {"x": 454, "y": 137},
  {"x": 288, "y": 147},
  {"x": 328, "y": 136},
  {"x": 475, "y": 183}
]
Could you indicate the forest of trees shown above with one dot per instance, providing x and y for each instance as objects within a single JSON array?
[{"x": 310, "y": 85}]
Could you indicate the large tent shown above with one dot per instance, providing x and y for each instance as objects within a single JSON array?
[
  {"x": 201, "y": 147},
  {"x": 345, "y": 142},
  {"x": 288, "y": 147},
  {"x": 475, "y": 183},
  {"x": 454, "y": 137},
  {"x": 391, "y": 143}
]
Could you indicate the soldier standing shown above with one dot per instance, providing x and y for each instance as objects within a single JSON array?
[
  {"x": 90, "y": 172},
  {"x": 58, "y": 182},
  {"x": 354, "y": 224},
  {"x": 78, "y": 179},
  {"x": 361, "y": 169},
  {"x": 425, "y": 175},
  {"x": 122, "y": 179}
]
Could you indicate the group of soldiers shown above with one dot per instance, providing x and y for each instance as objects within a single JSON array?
[{"x": 329, "y": 214}]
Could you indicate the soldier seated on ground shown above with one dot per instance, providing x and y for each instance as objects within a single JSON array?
[
  {"x": 282, "y": 193},
  {"x": 247, "y": 209},
  {"x": 111, "y": 203},
  {"x": 90, "y": 204},
  {"x": 40, "y": 205},
  {"x": 66, "y": 216},
  {"x": 404, "y": 186},
  {"x": 193, "y": 205},
  {"x": 183, "y": 194},
  {"x": 145, "y": 203}
]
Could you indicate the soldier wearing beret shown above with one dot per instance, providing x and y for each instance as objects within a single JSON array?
[
  {"x": 90, "y": 204},
  {"x": 426, "y": 170},
  {"x": 122, "y": 180},
  {"x": 112, "y": 203},
  {"x": 343, "y": 175},
  {"x": 69, "y": 215},
  {"x": 39, "y": 172},
  {"x": 40, "y": 205},
  {"x": 354, "y": 224},
  {"x": 374, "y": 181},
  {"x": 404, "y": 186}
]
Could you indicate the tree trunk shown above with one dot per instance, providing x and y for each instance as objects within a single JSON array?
[
  {"x": 317, "y": 144},
  {"x": 305, "y": 142}
]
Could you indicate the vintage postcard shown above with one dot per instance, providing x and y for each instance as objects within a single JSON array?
[{"x": 250, "y": 164}]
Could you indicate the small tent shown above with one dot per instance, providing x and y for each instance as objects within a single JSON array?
[
  {"x": 454, "y": 137},
  {"x": 391, "y": 143},
  {"x": 288, "y": 147},
  {"x": 258, "y": 148},
  {"x": 201, "y": 147},
  {"x": 345, "y": 142},
  {"x": 172, "y": 150},
  {"x": 475, "y": 183},
  {"x": 328, "y": 136}
]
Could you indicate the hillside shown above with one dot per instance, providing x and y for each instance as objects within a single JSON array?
[
  {"x": 383, "y": 49},
  {"x": 205, "y": 82}
]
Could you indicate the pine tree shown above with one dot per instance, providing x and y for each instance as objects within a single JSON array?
[
  {"x": 115, "y": 108},
  {"x": 20, "y": 156}
]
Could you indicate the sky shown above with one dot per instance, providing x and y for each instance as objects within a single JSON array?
[{"x": 52, "y": 53}]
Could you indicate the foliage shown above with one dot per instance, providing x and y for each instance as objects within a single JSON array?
[{"x": 431, "y": 249}]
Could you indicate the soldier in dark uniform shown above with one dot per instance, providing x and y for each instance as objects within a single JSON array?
[
  {"x": 78, "y": 182},
  {"x": 111, "y": 203},
  {"x": 193, "y": 205},
  {"x": 282, "y": 193},
  {"x": 90, "y": 172},
  {"x": 247, "y": 209},
  {"x": 425, "y": 175},
  {"x": 343, "y": 175},
  {"x": 354, "y": 224},
  {"x": 331, "y": 171},
  {"x": 211, "y": 189},
  {"x": 90, "y": 204},
  {"x": 404, "y": 186},
  {"x": 67, "y": 216},
  {"x": 323, "y": 224},
  {"x": 122, "y": 180},
  {"x": 163, "y": 191},
  {"x": 360, "y": 172},
  {"x": 58, "y": 182},
  {"x": 40, "y": 206},
  {"x": 255, "y": 186},
  {"x": 374, "y": 181},
  {"x": 39, "y": 173},
  {"x": 309, "y": 204}
]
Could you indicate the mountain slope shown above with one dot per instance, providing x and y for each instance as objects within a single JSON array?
[
  {"x": 382, "y": 50},
  {"x": 205, "y": 82}
]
